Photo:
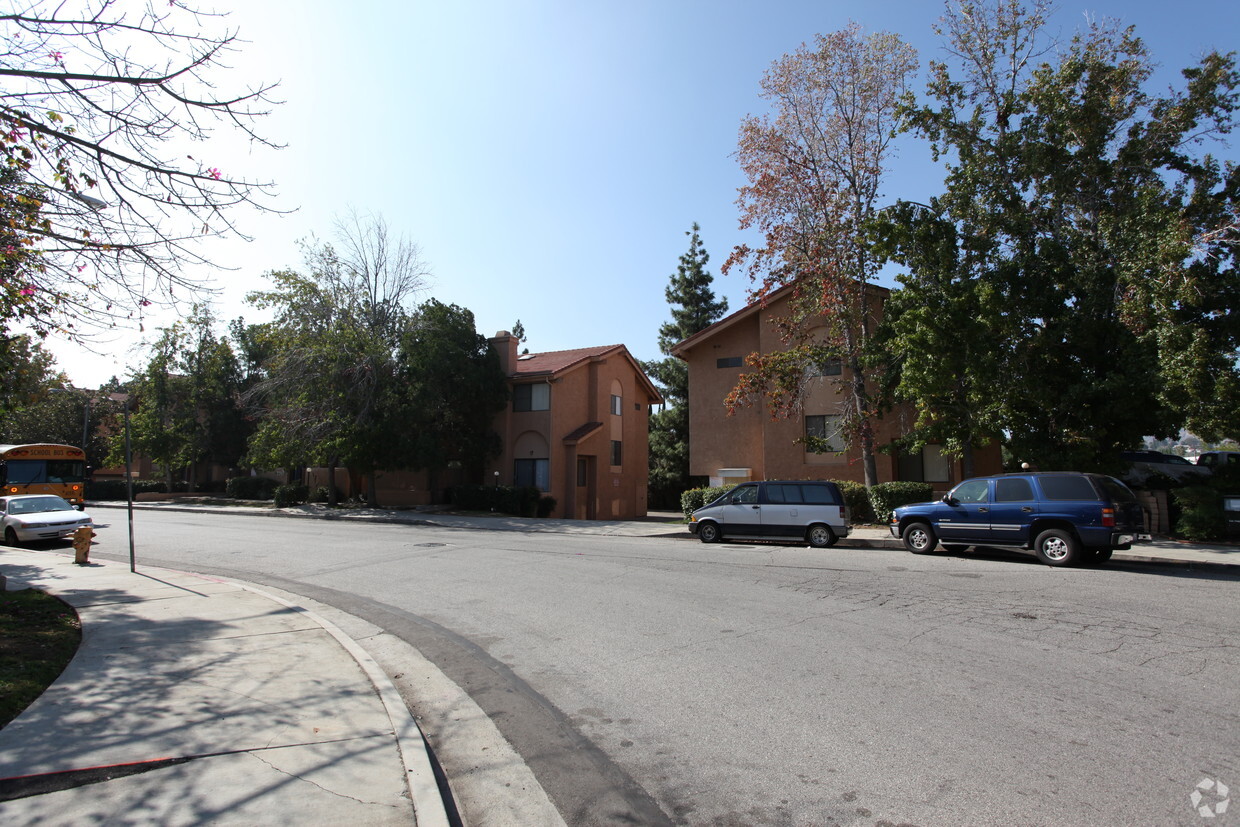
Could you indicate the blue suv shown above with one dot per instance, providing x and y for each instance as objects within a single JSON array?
[{"x": 1065, "y": 517}]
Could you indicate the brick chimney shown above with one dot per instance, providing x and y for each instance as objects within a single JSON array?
[{"x": 505, "y": 345}]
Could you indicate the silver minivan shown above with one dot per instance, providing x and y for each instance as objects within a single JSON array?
[{"x": 809, "y": 510}]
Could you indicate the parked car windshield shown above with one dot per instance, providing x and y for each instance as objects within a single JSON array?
[{"x": 34, "y": 505}]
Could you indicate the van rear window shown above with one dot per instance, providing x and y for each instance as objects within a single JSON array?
[
  {"x": 1067, "y": 487},
  {"x": 818, "y": 494}
]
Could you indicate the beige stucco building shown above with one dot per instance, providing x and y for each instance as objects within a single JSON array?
[{"x": 751, "y": 445}]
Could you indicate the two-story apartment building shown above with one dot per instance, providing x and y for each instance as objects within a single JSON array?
[
  {"x": 577, "y": 428},
  {"x": 751, "y": 445}
]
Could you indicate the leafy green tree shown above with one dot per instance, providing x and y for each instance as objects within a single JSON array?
[
  {"x": 452, "y": 388},
  {"x": 693, "y": 308},
  {"x": 188, "y": 399},
  {"x": 329, "y": 376},
  {"x": 1085, "y": 233},
  {"x": 37, "y": 404},
  {"x": 27, "y": 372},
  {"x": 814, "y": 169}
]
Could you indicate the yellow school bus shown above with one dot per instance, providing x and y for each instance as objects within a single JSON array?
[{"x": 43, "y": 469}]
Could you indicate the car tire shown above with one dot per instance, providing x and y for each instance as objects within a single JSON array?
[
  {"x": 919, "y": 538},
  {"x": 1100, "y": 555},
  {"x": 820, "y": 536},
  {"x": 1057, "y": 547},
  {"x": 954, "y": 548},
  {"x": 10, "y": 537},
  {"x": 709, "y": 532}
]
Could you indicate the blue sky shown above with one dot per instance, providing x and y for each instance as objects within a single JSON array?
[{"x": 548, "y": 157}]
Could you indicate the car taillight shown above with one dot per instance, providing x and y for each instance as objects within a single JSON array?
[{"x": 1108, "y": 517}]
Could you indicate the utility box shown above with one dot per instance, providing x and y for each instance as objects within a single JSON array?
[{"x": 1231, "y": 510}]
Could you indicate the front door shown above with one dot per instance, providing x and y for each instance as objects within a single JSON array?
[
  {"x": 966, "y": 517},
  {"x": 742, "y": 514}
]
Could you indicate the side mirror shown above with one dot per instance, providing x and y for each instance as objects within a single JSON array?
[{"x": 947, "y": 498}]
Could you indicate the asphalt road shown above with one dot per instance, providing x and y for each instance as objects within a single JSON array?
[{"x": 650, "y": 681}]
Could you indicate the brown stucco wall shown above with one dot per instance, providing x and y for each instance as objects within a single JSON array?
[
  {"x": 581, "y": 394},
  {"x": 751, "y": 438}
]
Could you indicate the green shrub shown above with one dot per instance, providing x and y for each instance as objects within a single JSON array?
[
  {"x": 695, "y": 498},
  {"x": 885, "y": 496},
  {"x": 506, "y": 499},
  {"x": 546, "y": 504},
  {"x": 289, "y": 495},
  {"x": 1202, "y": 516},
  {"x": 251, "y": 488},
  {"x": 321, "y": 495},
  {"x": 857, "y": 498},
  {"x": 115, "y": 490}
]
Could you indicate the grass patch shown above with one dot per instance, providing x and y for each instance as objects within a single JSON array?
[{"x": 39, "y": 635}]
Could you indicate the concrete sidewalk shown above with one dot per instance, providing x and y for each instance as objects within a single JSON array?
[
  {"x": 1160, "y": 551},
  {"x": 204, "y": 700}
]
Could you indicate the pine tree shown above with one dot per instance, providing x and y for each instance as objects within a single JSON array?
[{"x": 693, "y": 308}]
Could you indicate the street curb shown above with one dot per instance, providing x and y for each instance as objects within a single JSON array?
[
  {"x": 425, "y": 798},
  {"x": 424, "y": 793}
]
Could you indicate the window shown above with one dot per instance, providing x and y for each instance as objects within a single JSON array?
[
  {"x": 827, "y": 367},
  {"x": 532, "y": 473},
  {"x": 973, "y": 491},
  {"x": 822, "y": 433},
  {"x": 929, "y": 464},
  {"x": 1013, "y": 490},
  {"x": 616, "y": 402},
  {"x": 531, "y": 398},
  {"x": 616, "y": 453},
  {"x": 728, "y": 362},
  {"x": 818, "y": 495},
  {"x": 745, "y": 495},
  {"x": 1067, "y": 488}
]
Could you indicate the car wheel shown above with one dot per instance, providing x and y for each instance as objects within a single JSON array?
[
  {"x": 820, "y": 536},
  {"x": 954, "y": 548},
  {"x": 919, "y": 538},
  {"x": 1099, "y": 555},
  {"x": 10, "y": 537},
  {"x": 709, "y": 533},
  {"x": 1057, "y": 547}
]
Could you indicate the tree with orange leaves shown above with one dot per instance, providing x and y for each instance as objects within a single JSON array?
[{"x": 814, "y": 166}]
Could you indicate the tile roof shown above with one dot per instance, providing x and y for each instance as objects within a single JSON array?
[
  {"x": 581, "y": 433},
  {"x": 558, "y": 360}
]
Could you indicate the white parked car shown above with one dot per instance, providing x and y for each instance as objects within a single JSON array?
[{"x": 29, "y": 517}]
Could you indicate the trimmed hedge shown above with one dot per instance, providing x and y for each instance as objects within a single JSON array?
[
  {"x": 887, "y": 495},
  {"x": 114, "y": 490},
  {"x": 289, "y": 495},
  {"x": 518, "y": 501},
  {"x": 695, "y": 498},
  {"x": 857, "y": 498},
  {"x": 251, "y": 488}
]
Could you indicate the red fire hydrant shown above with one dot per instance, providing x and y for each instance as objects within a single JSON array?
[{"x": 81, "y": 545}]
